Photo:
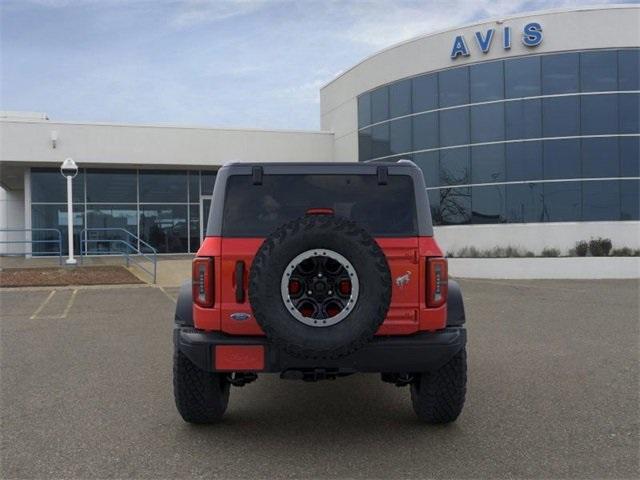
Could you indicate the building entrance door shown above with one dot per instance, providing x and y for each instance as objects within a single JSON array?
[{"x": 205, "y": 207}]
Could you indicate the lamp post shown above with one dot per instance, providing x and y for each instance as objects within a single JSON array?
[{"x": 69, "y": 170}]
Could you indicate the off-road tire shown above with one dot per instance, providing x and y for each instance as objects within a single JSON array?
[
  {"x": 438, "y": 397},
  {"x": 317, "y": 232},
  {"x": 201, "y": 397}
]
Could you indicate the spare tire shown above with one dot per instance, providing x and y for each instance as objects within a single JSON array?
[{"x": 320, "y": 287}]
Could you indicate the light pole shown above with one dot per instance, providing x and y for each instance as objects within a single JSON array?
[{"x": 69, "y": 170}]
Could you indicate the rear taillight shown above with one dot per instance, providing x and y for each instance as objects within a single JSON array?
[
  {"x": 437, "y": 281},
  {"x": 202, "y": 281}
]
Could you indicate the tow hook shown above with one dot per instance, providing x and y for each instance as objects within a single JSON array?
[
  {"x": 240, "y": 379},
  {"x": 398, "y": 379}
]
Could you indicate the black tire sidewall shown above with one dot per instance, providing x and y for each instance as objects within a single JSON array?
[{"x": 345, "y": 238}]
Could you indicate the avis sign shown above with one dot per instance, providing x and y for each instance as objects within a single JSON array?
[{"x": 531, "y": 37}]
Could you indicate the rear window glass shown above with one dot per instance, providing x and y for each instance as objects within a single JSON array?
[{"x": 257, "y": 210}]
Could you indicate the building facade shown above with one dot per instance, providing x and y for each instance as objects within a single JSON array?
[{"x": 526, "y": 129}]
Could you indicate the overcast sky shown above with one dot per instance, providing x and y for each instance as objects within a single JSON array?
[{"x": 243, "y": 63}]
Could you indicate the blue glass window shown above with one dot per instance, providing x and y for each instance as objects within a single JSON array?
[
  {"x": 425, "y": 131},
  {"x": 599, "y": 71},
  {"x": 109, "y": 186},
  {"x": 629, "y": 112},
  {"x": 425, "y": 93},
  {"x": 455, "y": 168},
  {"x": 454, "y": 127},
  {"x": 487, "y": 164},
  {"x": 364, "y": 110},
  {"x": 48, "y": 185},
  {"x": 523, "y": 119},
  {"x": 599, "y": 114},
  {"x": 524, "y": 203},
  {"x": 380, "y": 105},
  {"x": 455, "y": 206},
  {"x": 629, "y": 200},
  {"x": 454, "y": 87},
  {"x": 163, "y": 186},
  {"x": 434, "y": 205},
  {"x": 365, "y": 145},
  {"x": 487, "y": 81},
  {"x": 487, "y": 123},
  {"x": 400, "y": 135},
  {"x": 522, "y": 77},
  {"x": 524, "y": 161},
  {"x": 601, "y": 200},
  {"x": 560, "y": 116},
  {"x": 561, "y": 159},
  {"x": 54, "y": 216},
  {"x": 562, "y": 201},
  {"x": 165, "y": 227},
  {"x": 400, "y": 98},
  {"x": 429, "y": 163},
  {"x": 380, "y": 140},
  {"x": 488, "y": 204},
  {"x": 194, "y": 186},
  {"x": 115, "y": 218},
  {"x": 629, "y": 69},
  {"x": 629, "y": 156},
  {"x": 600, "y": 157},
  {"x": 208, "y": 180},
  {"x": 560, "y": 73}
]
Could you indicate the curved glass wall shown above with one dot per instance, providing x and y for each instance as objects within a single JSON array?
[{"x": 545, "y": 138}]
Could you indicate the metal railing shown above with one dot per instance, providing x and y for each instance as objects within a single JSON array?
[
  {"x": 131, "y": 247},
  {"x": 31, "y": 241}
]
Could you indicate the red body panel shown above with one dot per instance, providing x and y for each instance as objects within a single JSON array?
[
  {"x": 408, "y": 312},
  {"x": 239, "y": 357}
]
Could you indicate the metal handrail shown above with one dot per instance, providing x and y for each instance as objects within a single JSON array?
[
  {"x": 32, "y": 241},
  {"x": 151, "y": 256}
]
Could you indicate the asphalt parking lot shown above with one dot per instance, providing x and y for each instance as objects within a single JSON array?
[{"x": 553, "y": 392}]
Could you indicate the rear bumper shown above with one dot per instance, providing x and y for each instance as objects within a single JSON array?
[{"x": 398, "y": 354}]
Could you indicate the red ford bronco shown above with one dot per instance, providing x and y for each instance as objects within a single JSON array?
[{"x": 317, "y": 271}]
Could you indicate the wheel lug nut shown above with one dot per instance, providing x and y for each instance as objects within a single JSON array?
[
  {"x": 320, "y": 275},
  {"x": 330, "y": 292},
  {"x": 309, "y": 292}
]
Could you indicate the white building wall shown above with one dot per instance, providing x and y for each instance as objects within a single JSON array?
[
  {"x": 29, "y": 141},
  {"x": 535, "y": 237},
  {"x": 11, "y": 217}
]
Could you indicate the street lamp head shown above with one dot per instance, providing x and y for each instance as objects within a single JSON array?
[{"x": 69, "y": 168}]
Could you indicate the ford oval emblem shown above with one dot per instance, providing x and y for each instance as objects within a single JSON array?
[{"x": 240, "y": 316}]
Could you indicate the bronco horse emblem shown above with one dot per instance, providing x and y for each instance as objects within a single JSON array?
[{"x": 403, "y": 280}]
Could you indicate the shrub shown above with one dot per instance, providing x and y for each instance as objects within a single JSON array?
[
  {"x": 550, "y": 252},
  {"x": 581, "y": 249},
  {"x": 625, "y": 252},
  {"x": 600, "y": 247}
]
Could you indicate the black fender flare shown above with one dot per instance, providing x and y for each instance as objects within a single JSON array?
[
  {"x": 455, "y": 305},
  {"x": 184, "y": 306}
]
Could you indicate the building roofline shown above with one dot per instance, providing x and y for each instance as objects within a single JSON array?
[
  {"x": 612, "y": 6},
  {"x": 168, "y": 126}
]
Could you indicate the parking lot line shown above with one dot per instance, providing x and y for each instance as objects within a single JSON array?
[
  {"x": 167, "y": 294},
  {"x": 42, "y": 305},
  {"x": 69, "y": 304}
]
